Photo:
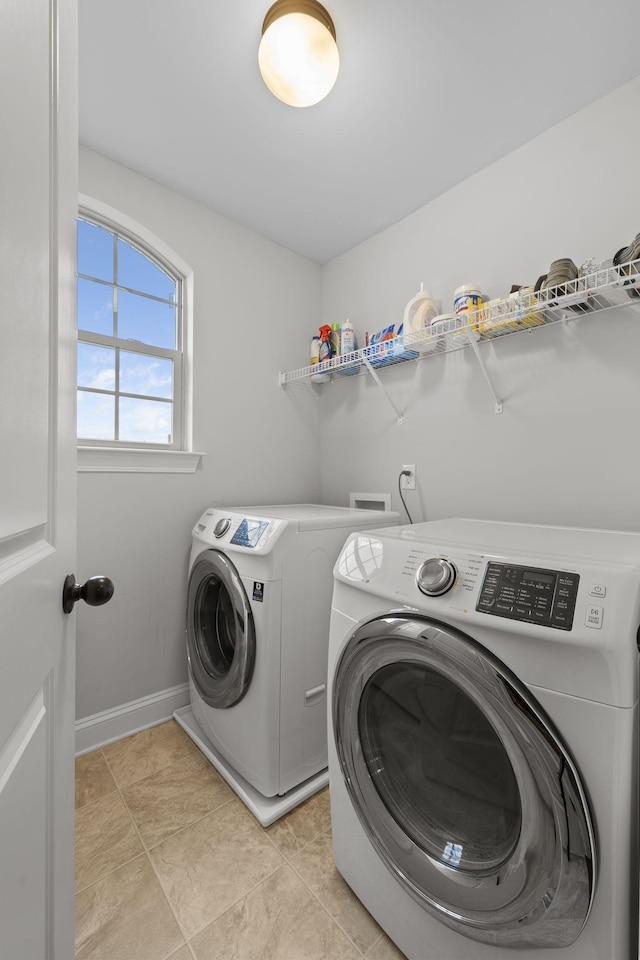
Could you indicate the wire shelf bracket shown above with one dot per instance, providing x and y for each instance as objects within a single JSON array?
[{"x": 382, "y": 387}]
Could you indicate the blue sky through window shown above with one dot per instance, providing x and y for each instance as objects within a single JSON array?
[
  {"x": 126, "y": 297},
  {"x": 95, "y": 251},
  {"x": 95, "y": 307},
  {"x": 138, "y": 273}
]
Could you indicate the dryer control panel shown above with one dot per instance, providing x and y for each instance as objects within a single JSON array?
[{"x": 531, "y": 594}]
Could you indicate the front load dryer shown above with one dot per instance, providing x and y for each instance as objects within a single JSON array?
[
  {"x": 258, "y": 608},
  {"x": 483, "y": 715}
]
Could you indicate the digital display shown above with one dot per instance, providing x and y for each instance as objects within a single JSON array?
[
  {"x": 249, "y": 532},
  {"x": 538, "y": 577}
]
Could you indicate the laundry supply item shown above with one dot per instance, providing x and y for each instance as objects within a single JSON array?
[
  {"x": 315, "y": 350},
  {"x": 388, "y": 346},
  {"x": 347, "y": 338},
  {"x": 348, "y": 345},
  {"x": 419, "y": 312},
  {"x": 527, "y": 313},
  {"x": 518, "y": 311},
  {"x": 334, "y": 339},
  {"x": 380, "y": 346},
  {"x": 324, "y": 354},
  {"x": 325, "y": 343},
  {"x": 467, "y": 303},
  {"x": 400, "y": 350},
  {"x": 440, "y": 329}
]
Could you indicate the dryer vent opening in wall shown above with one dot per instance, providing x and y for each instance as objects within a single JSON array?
[{"x": 370, "y": 501}]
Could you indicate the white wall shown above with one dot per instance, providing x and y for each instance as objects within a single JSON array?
[
  {"x": 255, "y": 305},
  {"x": 566, "y": 448}
]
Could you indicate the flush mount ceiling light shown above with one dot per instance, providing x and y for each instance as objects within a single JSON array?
[{"x": 298, "y": 56}]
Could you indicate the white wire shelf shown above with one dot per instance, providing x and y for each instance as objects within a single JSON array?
[{"x": 606, "y": 287}]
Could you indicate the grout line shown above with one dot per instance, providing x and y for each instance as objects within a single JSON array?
[
  {"x": 110, "y": 872},
  {"x": 131, "y": 783},
  {"x": 145, "y": 853},
  {"x": 242, "y": 896},
  {"x": 102, "y": 796},
  {"x": 375, "y": 944},
  {"x": 326, "y": 908},
  {"x": 269, "y": 876},
  {"x": 151, "y": 864},
  {"x": 187, "y": 826}
]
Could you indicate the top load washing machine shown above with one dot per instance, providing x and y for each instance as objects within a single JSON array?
[
  {"x": 483, "y": 711},
  {"x": 258, "y": 607}
]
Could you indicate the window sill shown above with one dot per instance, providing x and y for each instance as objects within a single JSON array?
[{"x": 136, "y": 460}]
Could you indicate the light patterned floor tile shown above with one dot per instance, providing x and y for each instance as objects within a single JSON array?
[
  {"x": 105, "y": 838},
  {"x": 175, "y": 797},
  {"x": 125, "y": 916},
  {"x": 144, "y": 753},
  {"x": 316, "y": 866},
  {"x": 302, "y": 825},
  {"x": 93, "y": 778},
  {"x": 278, "y": 920},
  {"x": 182, "y": 953},
  {"x": 212, "y": 863}
]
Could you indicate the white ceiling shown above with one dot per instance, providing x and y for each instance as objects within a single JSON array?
[{"x": 429, "y": 92}]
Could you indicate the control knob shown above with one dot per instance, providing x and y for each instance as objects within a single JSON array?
[
  {"x": 221, "y": 527},
  {"x": 436, "y": 576}
]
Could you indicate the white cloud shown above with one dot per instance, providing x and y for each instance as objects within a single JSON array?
[
  {"x": 148, "y": 376},
  {"x": 95, "y": 416},
  {"x": 145, "y": 420}
]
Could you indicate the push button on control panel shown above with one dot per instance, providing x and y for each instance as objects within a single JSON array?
[
  {"x": 597, "y": 590},
  {"x": 594, "y": 617}
]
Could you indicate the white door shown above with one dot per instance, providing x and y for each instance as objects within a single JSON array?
[{"x": 38, "y": 203}]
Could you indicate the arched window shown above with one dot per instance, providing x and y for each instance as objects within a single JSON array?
[{"x": 130, "y": 341}]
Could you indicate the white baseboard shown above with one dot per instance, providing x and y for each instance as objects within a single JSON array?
[{"x": 102, "y": 728}]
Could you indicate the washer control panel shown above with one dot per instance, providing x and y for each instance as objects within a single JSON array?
[{"x": 532, "y": 594}]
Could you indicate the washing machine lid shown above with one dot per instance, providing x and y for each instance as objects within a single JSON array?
[
  {"x": 614, "y": 547},
  {"x": 317, "y": 516},
  {"x": 462, "y": 784},
  {"x": 221, "y": 637}
]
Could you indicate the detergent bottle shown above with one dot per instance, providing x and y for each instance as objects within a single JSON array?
[
  {"x": 315, "y": 351},
  {"x": 335, "y": 339},
  {"x": 325, "y": 353},
  {"x": 347, "y": 338},
  {"x": 347, "y": 345},
  {"x": 418, "y": 314}
]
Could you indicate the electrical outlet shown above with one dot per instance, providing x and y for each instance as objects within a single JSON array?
[{"x": 409, "y": 482}]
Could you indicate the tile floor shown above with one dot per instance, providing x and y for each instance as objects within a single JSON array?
[{"x": 170, "y": 865}]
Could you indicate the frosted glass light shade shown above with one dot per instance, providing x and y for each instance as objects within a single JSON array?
[{"x": 298, "y": 56}]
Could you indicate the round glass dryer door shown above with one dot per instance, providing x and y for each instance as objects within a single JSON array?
[
  {"x": 462, "y": 784},
  {"x": 221, "y": 641}
]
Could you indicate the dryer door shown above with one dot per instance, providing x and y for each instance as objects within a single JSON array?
[
  {"x": 462, "y": 784},
  {"x": 221, "y": 640}
]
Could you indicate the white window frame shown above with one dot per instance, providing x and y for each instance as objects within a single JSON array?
[{"x": 123, "y": 457}]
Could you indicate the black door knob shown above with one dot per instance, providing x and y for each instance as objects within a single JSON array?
[{"x": 95, "y": 592}]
